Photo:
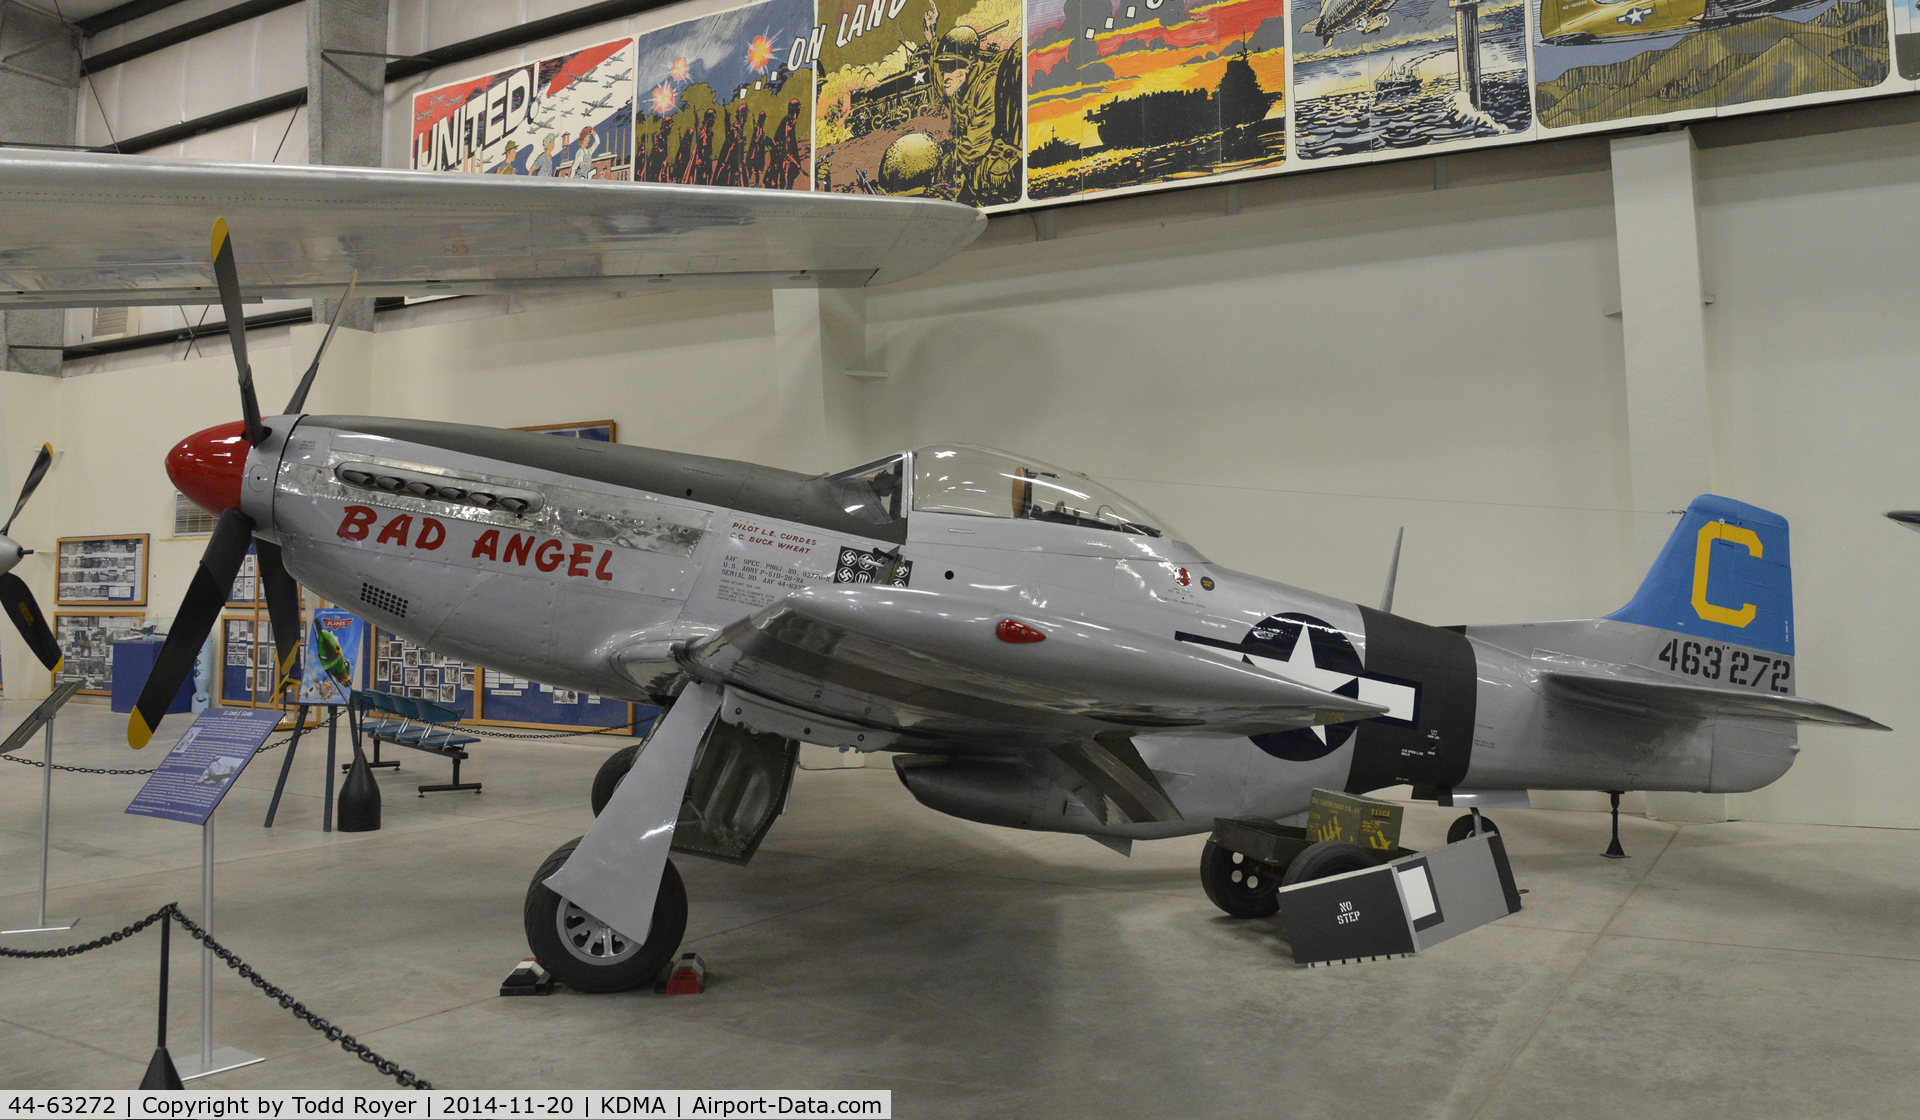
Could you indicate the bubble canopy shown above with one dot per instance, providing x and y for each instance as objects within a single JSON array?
[{"x": 981, "y": 482}]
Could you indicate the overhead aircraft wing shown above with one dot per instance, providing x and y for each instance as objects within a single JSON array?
[
  {"x": 936, "y": 667},
  {"x": 1673, "y": 699},
  {"x": 82, "y": 229},
  {"x": 874, "y": 666}
]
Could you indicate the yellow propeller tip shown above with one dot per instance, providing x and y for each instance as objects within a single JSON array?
[
  {"x": 137, "y": 731},
  {"x": 219, "y": 234}
]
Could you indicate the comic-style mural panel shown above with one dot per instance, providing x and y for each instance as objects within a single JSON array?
[
  {"x": 569, "y": 116},
  {"x": 727, "y": 99},
  {"x": 921, "y": 97},
  {"x": 1906, "y": 37},
  {"x": 1375, "y": 75},
  {"x": 1128, "y": 92},
  {"x": 1597, "y": 61}
]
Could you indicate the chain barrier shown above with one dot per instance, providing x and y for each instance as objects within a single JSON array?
[
  {"x": 89, "y": 946},
  {"x": 352, "y": 1045},
  {"x": 407, "y": 1078},
  {"x": 100, "y": 770}
]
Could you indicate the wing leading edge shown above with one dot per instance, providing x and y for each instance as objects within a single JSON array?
[
  {"x": 82, "y": 229},
  {"x": 931, "y": 666}
]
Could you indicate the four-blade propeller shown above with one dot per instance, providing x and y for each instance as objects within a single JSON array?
[
  {"x": 217, "y": 462},
  {"x": 14, "y": 596}
]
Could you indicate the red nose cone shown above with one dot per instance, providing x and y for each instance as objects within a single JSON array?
[{"x": 207, "y": 466}]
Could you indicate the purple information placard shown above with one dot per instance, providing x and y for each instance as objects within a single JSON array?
[{"x": 201, "y": 767}]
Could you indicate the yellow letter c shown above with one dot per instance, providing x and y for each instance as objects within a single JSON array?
[{"x": 1702, "y": 554}]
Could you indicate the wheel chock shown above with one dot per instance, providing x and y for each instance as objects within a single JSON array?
[
  {"x": 527, "y": 979},
  {"x": 684, "y": 977}
]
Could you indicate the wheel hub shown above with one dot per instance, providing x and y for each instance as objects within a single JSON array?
[{"x": 590, "y": 939}]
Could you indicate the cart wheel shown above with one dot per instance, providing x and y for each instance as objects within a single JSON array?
[
  {"x": 1328, "y": 857},
  {"x": 588, "y": 955},
  {"x": 1462, "y": 827},
  {"x": 611, "y": 771},
  {"x": 1239, "y": 886}
]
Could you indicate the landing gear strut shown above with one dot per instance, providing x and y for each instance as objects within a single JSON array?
[
  {"x": 1614, "y": 850},
  {"x": 588, "y": 955}
]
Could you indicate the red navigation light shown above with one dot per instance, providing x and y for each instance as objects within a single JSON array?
[
  {"x": 1017, "y": 632},
  {"x": 207, "y": 466}
]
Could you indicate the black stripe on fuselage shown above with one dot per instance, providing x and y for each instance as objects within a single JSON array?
[
  {"x": 742, "y": 487},
  {"x": 1435, "y": 749}
]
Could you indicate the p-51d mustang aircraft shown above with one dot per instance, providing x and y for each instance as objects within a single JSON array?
[{"x": 1036, "y": 650}]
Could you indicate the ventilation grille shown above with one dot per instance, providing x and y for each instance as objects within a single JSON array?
[
  {"x": 383, "y": 600},
  {"x": 113, "y": 322},
  {"x": 190, "y": 520}
]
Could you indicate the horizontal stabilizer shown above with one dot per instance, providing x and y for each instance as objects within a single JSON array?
[
  {"x": 81, "y": 229},
  {"x": 1691, "y": 701}
]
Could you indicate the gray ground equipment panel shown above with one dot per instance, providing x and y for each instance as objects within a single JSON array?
[{"x": 1401, "y": 907}]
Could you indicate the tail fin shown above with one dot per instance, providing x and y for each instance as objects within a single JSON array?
[{"x": 1725, "y": 575}]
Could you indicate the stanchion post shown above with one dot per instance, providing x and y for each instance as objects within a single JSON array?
[
  {"x": 326, "y": 811},
  {"x": 160, "y": 1071},
  {"x": 210, "y": 1061},
  {"x": 41, "y": 924}
]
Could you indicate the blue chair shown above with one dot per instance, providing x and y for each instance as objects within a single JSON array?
[{"x": 409, "y": 722}]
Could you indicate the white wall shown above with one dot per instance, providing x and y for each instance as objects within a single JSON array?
[{"x": 1288, "y": 386}]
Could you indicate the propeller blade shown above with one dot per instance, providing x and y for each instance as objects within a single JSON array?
[
  {"x": 34, "y": 474},
  {"x": 206, "y": 595},
  {"x": 283, "y": 608},
  {"x": 26, "y": 615},
  {"x": 227, "y": 275},
  {"x": 298, "y": 402}
]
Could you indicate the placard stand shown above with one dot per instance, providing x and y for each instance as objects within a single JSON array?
[
  {"x": 188, "y": 786},
  {"x": 43, "y": 716},
  {"x": 209, "y": 1061}
]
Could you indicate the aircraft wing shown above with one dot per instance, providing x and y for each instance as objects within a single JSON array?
[
  {"x": 1691, "y": 701},
  {"x": 941, "y": 668},
  {"x": 82, "y": 229}
]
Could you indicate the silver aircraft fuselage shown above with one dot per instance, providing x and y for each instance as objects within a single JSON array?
[{"x": 592, "y": 565}]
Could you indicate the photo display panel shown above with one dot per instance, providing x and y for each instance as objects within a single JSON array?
[
  {"x": 1906, "y": 37},
  {"x": 727, "y": 99},
  {"x": 509, "y": 699},
  {"x": 400, "y": 666},
  {"x": 1127, "y": 93},
  {"x": 86, "y": 647}
]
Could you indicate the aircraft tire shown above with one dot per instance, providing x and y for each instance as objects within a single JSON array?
[
  {"x": 1328, "y": 857},
  {"x": 1240, "y": 887},
  {"x": 1462, "y": 827},
  {"x": 581, "y": 952},
  {"x": 611, "y": 771}
]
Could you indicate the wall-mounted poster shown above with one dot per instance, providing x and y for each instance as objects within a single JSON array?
[
  {"x": 1597, "y": 62},
  {"x": 333, "y": 657},
  {"x": 86, "y": 647},
  {"x": 565, "y": 117},
  {"x": 1128, "y": 92},
  {"x": 401, "y": 667},
  {"x": 923, "y": 98},
  {"x": 727, "y": 99},
  {"x": 102, "y": 571},
  {"x": 1372, "y": 77},
  {"x": 1906, "y": 37},
  {"x": 600, "y": 430}
]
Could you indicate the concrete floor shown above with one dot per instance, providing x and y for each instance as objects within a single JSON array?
[{"x": 1729, "y": 969}]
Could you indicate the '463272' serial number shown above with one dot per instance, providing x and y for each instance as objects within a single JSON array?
[{"x": 1714, "y": 662}]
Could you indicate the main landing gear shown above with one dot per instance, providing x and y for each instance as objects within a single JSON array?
[
  {"x": 1462, "y": 827},
  {"x": 588, "y": 955}
]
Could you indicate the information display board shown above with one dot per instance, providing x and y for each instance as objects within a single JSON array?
[
  {"x": 86, "y": 647},
  {"x": 527, "y": 703},
  {"x": 190, "y": 781},
  {"x": 247, "y": 660},
  {"x": 335, "y": 651},
  {"x": 102, "y": 571},
  {"x": 415, "y": 671}
]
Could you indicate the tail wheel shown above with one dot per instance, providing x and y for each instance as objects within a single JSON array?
[
  {"x": 588, "y": 955},
  {"x": 1462, "y": 827},
  {"x": 1239, "y": 886},
  {"x": 1327, "y": 858}
]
